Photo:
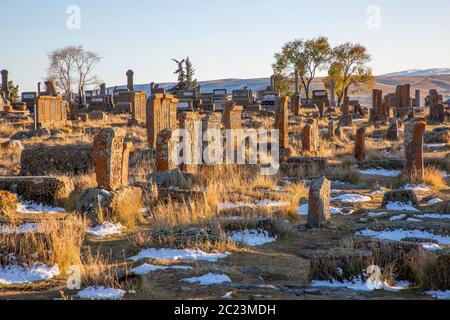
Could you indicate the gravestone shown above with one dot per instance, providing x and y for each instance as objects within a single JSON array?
[
  {"x": 161, "y": 114},
  {"x": 320, "y": 97},
  {"x": 319, "y": 203},
  {"x": 130, "y": 80},
  {"x": 360, "y": 145},
  {"x": 417, "y": 99},
  {"x": 110, "y": 158},
  {"x": 164, "y": 148},
  {"x": 331, "y": 130},
  {"x": 378, "y": 106},
  {"x": 5, "y": 88},
  {"x": 437, "y": 108},
  {"x": 232, "y": 117},
  {"x": 403, "y": 101},
  {"x": 50, "y": 88},
  {"x": 303, "y": 167},
  {"x": 414, "y": 132},
  {"x": 346, "y": 119},
  {"x": 211, "y": 131},
  {"x": 50, "y": 110},
  {"x": 306, "y": 137},
  {"x": 192, "y": 123},
  {"x": 393, "y": 132},
  {"x": 282, "y": 121}
]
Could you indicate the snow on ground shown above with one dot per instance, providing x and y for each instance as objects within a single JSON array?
[
  {"x": 435, "y": 145},
  {"x": 16, "y": 275},
  {"x": 359, "y": 285},
  {"x": 435, "y": 201},
  {"x": 398, "y": 217},
  {"x": 208, "y": 279},
  {"x": 303, "y": 211},
  {"x": 178, "y": 254},
  {"x": 417, "y": 187},
  {"x": 229, "y": 295},
  {"x": 400, "y": 234},
  {"x": 148, "y": 268},
  {"x": 101, "y": 293},
  {"x": 377, "y": 214},
  {"x": 431, "y": 246},
  {"x": 413, "y": 220},
  {"x": 352, "y": 198},
  {"x": 271, "y": 203},
  {"x": 380, "y": 172},
  {"x": 378, "y": 191},
  {"x": 252, "y": 238},
  {"x": 106, "y": 229},
  {"x": 24, "y": 228},
  {"x": 400, "y": 206},
  {"x": 434, "y": 216},
  {"x": 441, "y": 295},
  {"x": 232, "y": 205},
  {"x": 32, "y": 207}
]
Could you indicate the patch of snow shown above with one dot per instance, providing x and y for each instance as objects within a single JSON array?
[
  {"x": 413, "y": 220},
  {"x": 209, "y": 279},
  {"x": 400, "y": 234},
  {"x": 417, "y": 187},
  {"x": 178, "y": 254},
  {"x": 232, "y": 205},
  {"x": 398, "y": 217},
  {"x": 252, "y": 238},
  {"x": 380, "y": 172},
  {"x": 271, "y": 204},
  {"x": 30, "y": 207},
  {"x": 105, "y": 230},
  {"x": 24, "y": 228},
  {"x": 376, "y": 192},
  {"x": 101, "y": 293},
  {"x": 303, "y": 210},
  {"x": 352, "y": 198},
  {"x": 16, "y": 275},
  {"x": 435, "y": 145},
  {"x": 435, "y": 201},
  {"x": 434, "y": 216},
  {"x": 359, "y": 285},
  {"x": 431, "y": 246},
  {"x": 148, "y": 268},
  {"x": 400, "y": 206},
  {"x": 229, "y": 295},
  {"x": 377, "y": 214},
  {"x": 441, "y": 295}
]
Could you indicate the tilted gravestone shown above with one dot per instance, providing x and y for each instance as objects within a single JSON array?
[
  {"x": 413, "y": 139},
  {"x": 360, "y": 144}
]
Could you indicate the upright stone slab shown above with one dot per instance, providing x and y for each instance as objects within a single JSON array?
[
  {"x": 331, "y": 130},
  {"x": 232, "y": 116},
  {"x": 378, "y": 108},
  {"x": 319, "y": 203},
  {"x": 5, "y": 88},
  {"x": 282, "y": 121},
  {"x": 346, "y": 119},
  {"x": 211, "y": 130},
  {"x": 437, "y": 109},
  {"x": 360, "y": 145},
  {"x": 418, "y": 101},
  {"x": 50, "y": 88},
  {"x": 393, "y": 133},
  {"x": 403, "y": 101},
  {"x": 192, "y": 123},
  {"x": 306, "y": 137},
  {"x": 111, "y": 159},
  {"x": 161, "y": 114},
  {"x": 164, "y": 148},
  {"x": 414, "y": 132}
]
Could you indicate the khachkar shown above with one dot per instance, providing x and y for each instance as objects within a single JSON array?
[
  {"x": 161, "y": 114},
  {"x": 50, "y": 108},
  {"x": 5, "y": 88},
  {"x": 130, "y": 81},
  {"x": 360, "y": 144},
  {"x": 414, "y": 132},
  {"x": 319, "y": 203},
  {"x": 282, "y": 125},
  {"x": 346, "y": 119},
  {"x": 165, "y": 146},
  {"x": 191, "y": 122},
  {"x": 380, "y": 109},
  {"x": 437, "y": 109},
  {"x": 111, "y": 155},
  {"x": 232, "y": 116},
  {"x": 403, "y": 101}
]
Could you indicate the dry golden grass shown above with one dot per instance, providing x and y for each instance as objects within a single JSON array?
[{"x": 99, "y": 270}]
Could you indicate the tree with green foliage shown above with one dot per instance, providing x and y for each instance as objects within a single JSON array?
[
  {"x": 13, "y": 91},
  {"x": 307, "y": 57},
  {"x": 191, "y": 82},
  {"x": 349, "y": 70}
]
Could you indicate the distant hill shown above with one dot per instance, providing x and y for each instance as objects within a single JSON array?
[{"x": 419, "y": 73}]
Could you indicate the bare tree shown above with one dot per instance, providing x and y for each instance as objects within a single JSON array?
[{"x": 71, "y": 67}]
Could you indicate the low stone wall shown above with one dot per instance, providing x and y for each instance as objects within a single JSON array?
[{"x": 45, "y": 190}]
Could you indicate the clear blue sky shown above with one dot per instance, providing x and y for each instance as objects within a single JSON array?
[{"x": 233, "y": 38}]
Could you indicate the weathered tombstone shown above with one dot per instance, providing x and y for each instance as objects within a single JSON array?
[
  {"x": 103, "y": 89},
  {"x": 393, "y": 133},
  {"x": 5, "y": 88},
  {"x": 331, "y": 130},
  {"x": 414, "y": 132},
  {"x": 403, "y": 101},
  {"x": 50, "y": 110},
  {"x": 282, "y": 121},
  {"x": 130, "y": 81},
  {"x": 417, "y": 100},
  {"x": 437, "y": 108},
  {"x": 377, "y": 106},
  {"x": 306, "y": 137},
  {"x": 161, "y": 114},
  {"x": 164, "y": 148},
  {"x": 111, "y": 159},
  {"x": 319, "y": 203},
  {"x": 322, "y": 108},
  {"x": 346, "y": 119},
  {"x": 232, "y": 117},
  {"x": 360, "y": 144},
  {"x": 303, "y": 167},
  {"x": 320, "y": 97},
  {"x": 192, "y": 123},
  {"x": 211, "y": 131}
]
